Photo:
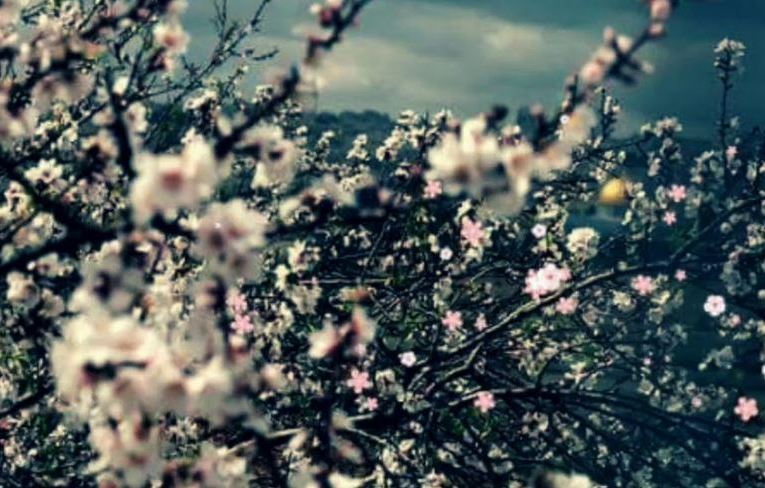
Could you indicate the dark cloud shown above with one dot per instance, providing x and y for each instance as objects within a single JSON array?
[{"x": 466, "y": 55}]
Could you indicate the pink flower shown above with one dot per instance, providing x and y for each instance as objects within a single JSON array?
[
  {"x": 407, "y": 359},
  {"x": 735, "y": 320},
  {"x": 171, "y": 37},
  {"x": 681, "y": 275},
  {"x": 670, "y": 218},
  {"x": 546, "y": 280},
  {"x": 697, "y": 402},
  {"x": 480, "y": 323},
  {"x": 237, "y": 302},
  {"x": 359, "y": 381},
  {"x": 433, "y": 189},
  {"x": 539, "y": 231},
  {"x": 371, "y": 404},
  {"x": 731, "y": 152},
  {"x": 715, "y": 305},
  {"x": 643, "y": 285},
  {"x": 242, "y": 324},
  {"x": 566, "y": 306},
  {"x": 593, "y": 72},
  {"x": 484, "y": 401},
  {"x": 677, "y": 193},
  {"x": 445, "y": 254},
  {"x": 660, "y": 10},
  {"x": 359, "y": 350},
  {"x": 452, "y": 320},
  {"x": 746, "y": 408},
  {"x": 657, "y": 29},
  {"x": 472, "y": 232}
]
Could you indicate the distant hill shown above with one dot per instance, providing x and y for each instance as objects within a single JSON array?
[
  {"x": 347, "y": 125},
  {"x": 377, "y": 125}
]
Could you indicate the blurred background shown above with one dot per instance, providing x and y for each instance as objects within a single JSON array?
[{"x": 466, "y": 55}]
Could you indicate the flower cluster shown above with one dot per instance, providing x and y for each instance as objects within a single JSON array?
[
  {"x": 472, "y": 159},
  {"x": 546, "y": 280}
]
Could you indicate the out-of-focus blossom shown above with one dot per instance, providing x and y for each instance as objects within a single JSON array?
[
  {"x": 22, "y": 289},
  {"x": 576, "y": 127},
  {"x": 237, "y": 302},
  {"x": 359, "y": 331},
  {"x": 171, "y": 37},
  {"x": 660, "y": 10},
  {"x": 275, "y": 156},
  {"x": 10, "y": 10},
  {"x": 167, "y": 183},
  {"x": 136, "y": 117},
  {"x": 714, "y": 305},
  {"x": 462, "y": 160},
  {"x": 230, "y": 235},
  {"x": 746, "y": 409},
  {"x": 731, "y": 152}
]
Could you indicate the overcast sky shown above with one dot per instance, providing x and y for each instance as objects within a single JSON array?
[{"x": 469, "y": 54}]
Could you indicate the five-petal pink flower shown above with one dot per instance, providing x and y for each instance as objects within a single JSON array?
[
  {"x": 484, "y": 401},
  {"x": 242, "y": 324},
  {"x": 452, "y": 320},
  {"x": 433, "y": 189},
  {"x": 677, "y": 193},
  {"x": 643, "y": 285},
  {"x": 472, "y": 232},
  {"x": 359, "y": 381},
  {"x": 566, "y": 306},
  {"x": 746, "y": 409},
  {"x": 371, "y": 404}
]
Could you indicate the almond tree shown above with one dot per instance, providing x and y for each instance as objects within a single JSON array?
[{"x": 198, "y": 293}]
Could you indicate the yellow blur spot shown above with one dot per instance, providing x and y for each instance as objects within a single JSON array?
[{"x": 613, "y": 193}]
